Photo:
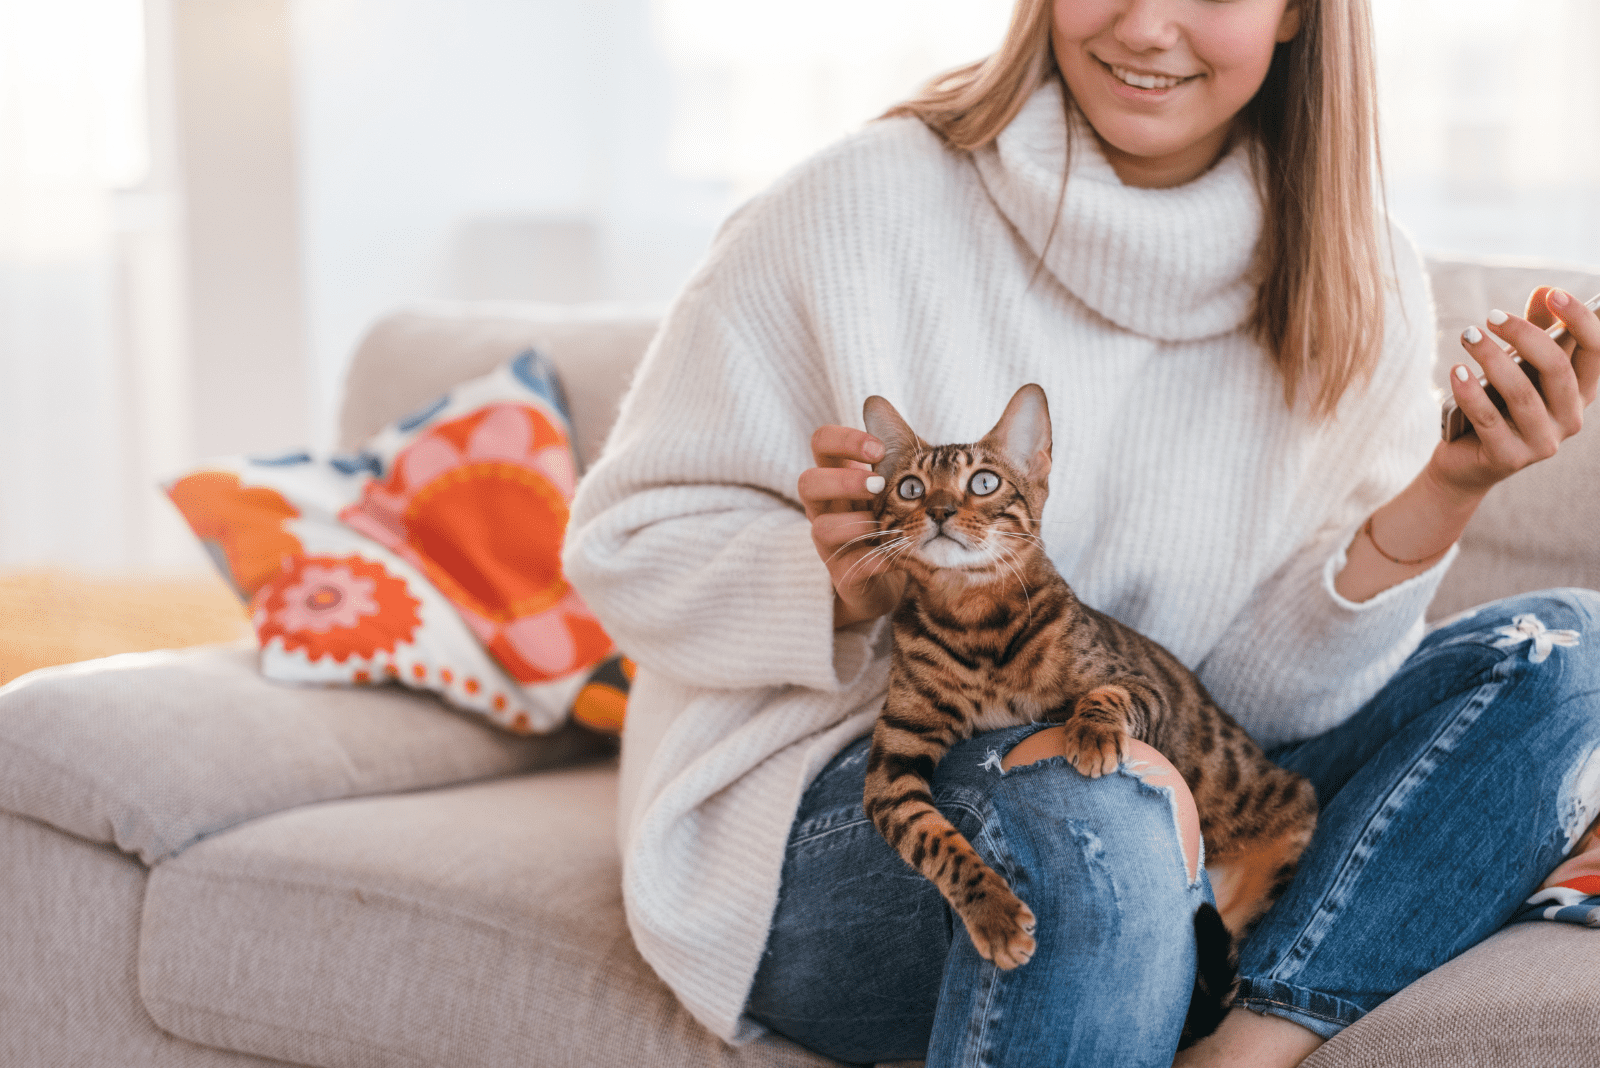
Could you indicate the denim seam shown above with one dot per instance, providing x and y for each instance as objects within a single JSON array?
[
  {"x": 1296, "y": 1008},
  {"x": 1300, "y": 1004},
  {"x": 1292, "y": 961},
  {"x": 980, "y": 1046},
  {"x": 988, "y": 832}
]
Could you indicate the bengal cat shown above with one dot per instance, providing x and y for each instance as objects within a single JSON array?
[{"x": 989, "y": 635}]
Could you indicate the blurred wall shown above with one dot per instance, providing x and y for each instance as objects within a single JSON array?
[
  {"x": 233, "y": 104},
  {"x": 1490, "y": 137},
  {"x": 483, "y": 149}
]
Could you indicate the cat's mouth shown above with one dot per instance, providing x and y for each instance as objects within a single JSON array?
[{"x": 944, "y": 549}]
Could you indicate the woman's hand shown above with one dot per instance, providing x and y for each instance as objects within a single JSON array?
[
  {"x": 865, "y": 585},
  {"x": 1501, "y": 445},
  {"x": 1419, "y": 524}
]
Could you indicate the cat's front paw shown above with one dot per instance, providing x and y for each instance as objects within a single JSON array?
[
  {"x": 1001, "y": 927},
  {"x": 1095, "y": 749}
]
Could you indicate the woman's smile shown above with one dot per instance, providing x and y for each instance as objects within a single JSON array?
[{"x": 1144, "y": 84}]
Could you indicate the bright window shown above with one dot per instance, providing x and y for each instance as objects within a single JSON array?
[{"x": 1491, "y": 142}]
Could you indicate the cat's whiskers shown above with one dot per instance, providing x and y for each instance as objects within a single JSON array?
[
  {"x": 886, "y": 552},
  {"x": 874, "y": 533},
  {"x": 1020, "y": 534}
]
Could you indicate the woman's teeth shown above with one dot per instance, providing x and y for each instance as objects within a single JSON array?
[{"x": 1145, "y": 81}]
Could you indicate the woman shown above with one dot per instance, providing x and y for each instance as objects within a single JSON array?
[{"x": 1161, "y": 211}]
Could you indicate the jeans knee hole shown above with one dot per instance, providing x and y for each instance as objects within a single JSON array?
[{"x": 1132, "y": 769}]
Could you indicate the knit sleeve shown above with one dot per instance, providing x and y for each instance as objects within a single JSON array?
[
  {"x": 1299, "y": 659},
  {"x": 687, "y": 538}
]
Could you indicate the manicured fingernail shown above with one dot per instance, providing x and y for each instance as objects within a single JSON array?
[
  {"x": 1497, "y": 317},
  {"x": 1472, "y": 335},
  {"x": 875, "y": 483},
  {"x": 1461, "y": 372},
  {"x": 1557, "y": 298}
]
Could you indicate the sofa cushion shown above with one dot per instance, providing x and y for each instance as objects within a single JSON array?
[
  {"x": 69, "y": 936},
  {"x": 151, "y": 751},
  {"x": 475, "y": 926},
  {"x": 1528, "y": 997}
]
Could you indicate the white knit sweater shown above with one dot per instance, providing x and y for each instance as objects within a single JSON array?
[{"x": 1185, "y": 498}]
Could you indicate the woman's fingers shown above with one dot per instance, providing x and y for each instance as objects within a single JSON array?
[
  {"x": 860, "y": 564},
  {"x": 837, "y": 489},
  {"x": 843, "y": 451},
  {"x": 1558, "y": 385},
  {"x": 1584, "y": 326},
  {"x": 1494, "y": 449},
  {"x": 1530, "y": 422},
  {"x": 840, "y": 446},
  {"x": 845, "y": 535},
  {"x": 841, "y": 535}
]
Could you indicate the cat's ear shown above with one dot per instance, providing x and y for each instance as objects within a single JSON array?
[
  {"x": 1023, "y": 432},
  {"x": 885, "y": 424}
]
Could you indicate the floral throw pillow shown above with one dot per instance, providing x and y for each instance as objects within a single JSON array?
[{"x": 431, "y": 557}]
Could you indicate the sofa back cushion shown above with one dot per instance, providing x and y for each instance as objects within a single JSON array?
[{"x": 409, "y": 358}]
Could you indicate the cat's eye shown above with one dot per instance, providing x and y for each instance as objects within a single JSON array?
[
  {"x": 984, "y": 483},
  {"x": 910, "y": 487}
]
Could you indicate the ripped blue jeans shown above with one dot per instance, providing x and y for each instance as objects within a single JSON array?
[{"x": 1444, "y": 802}]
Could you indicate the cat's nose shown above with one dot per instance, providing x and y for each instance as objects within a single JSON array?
[{"x": 941, "y": 512}]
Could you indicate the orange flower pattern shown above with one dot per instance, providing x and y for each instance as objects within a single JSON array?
[
  {"x": 240, "y": 526},
  {"x": 337, "y": 606},
  {"x": 479, "y": 505}
]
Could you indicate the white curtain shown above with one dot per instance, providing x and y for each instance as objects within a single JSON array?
[{"x": 82, "y": 416}]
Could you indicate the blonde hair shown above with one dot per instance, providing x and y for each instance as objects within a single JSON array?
[{"x": 1319, "y": 302}]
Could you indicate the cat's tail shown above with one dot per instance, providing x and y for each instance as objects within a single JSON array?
[{"x": 1216, "y": 970}]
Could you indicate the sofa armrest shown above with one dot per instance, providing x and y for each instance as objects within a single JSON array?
[{"x": 152, "y": 751}]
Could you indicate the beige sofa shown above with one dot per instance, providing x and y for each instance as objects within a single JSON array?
[{"x": 200, "y": 868}]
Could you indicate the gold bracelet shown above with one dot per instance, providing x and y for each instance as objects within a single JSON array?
[{"x": 1367, "y": 530}]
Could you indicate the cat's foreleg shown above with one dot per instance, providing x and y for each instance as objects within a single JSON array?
[
  {"x": 1102, "y": 722},
  {"x": 898, "y": 801}
]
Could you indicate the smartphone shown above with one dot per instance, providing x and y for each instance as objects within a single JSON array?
[{"x": 1453, "y": 422}]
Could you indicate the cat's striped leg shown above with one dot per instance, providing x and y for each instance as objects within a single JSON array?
[{"x": 896, "y": 798}]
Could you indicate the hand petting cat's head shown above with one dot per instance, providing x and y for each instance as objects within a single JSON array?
[{"x": 972, "y": 509}]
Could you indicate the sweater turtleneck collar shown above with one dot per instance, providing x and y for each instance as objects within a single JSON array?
[{"x": 1172, "y": 264}]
